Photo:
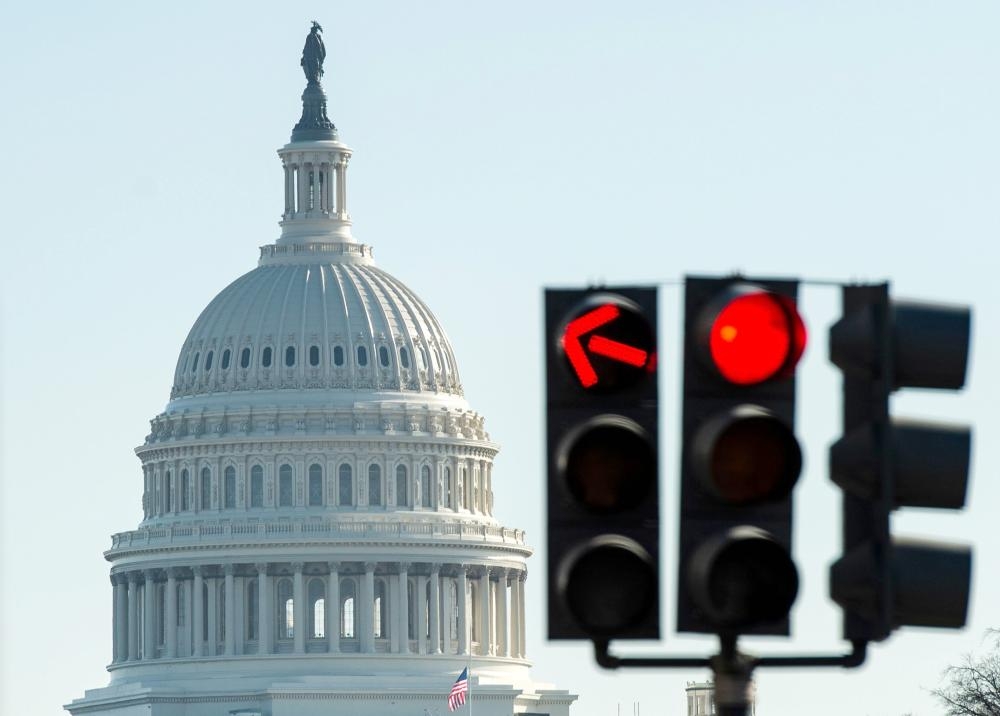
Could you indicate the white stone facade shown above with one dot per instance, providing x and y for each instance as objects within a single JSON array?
[{"x": 318, "y": 533}]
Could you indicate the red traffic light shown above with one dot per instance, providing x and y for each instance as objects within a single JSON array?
[
  {"x": 608, "y": 344},
  {"x": 751, "y": 335}
]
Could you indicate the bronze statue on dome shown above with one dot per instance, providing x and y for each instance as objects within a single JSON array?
[{"x": 313, "y": 54}]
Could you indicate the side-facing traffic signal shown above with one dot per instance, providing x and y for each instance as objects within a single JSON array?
[
  {"x": 882, "y": 463},
  {"x": 602, "y": 434},
  {"x": 739, "y": 455}
]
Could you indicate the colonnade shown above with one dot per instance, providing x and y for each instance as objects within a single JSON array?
[
  {"x": 231, "y": 609},
  {"x": 318, "y": 185}
]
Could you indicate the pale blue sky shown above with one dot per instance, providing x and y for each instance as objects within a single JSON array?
[{"x": 498, "y": 148}]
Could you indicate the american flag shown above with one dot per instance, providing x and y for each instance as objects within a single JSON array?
[{"x": 458, "y": 691}]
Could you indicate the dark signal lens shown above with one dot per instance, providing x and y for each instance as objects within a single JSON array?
[
  {"x": 746, "y": 456},
  {"x": 609, "y": 465},
  {"x": 604, "y": 606},
  {"x": 756, "y": 336}
]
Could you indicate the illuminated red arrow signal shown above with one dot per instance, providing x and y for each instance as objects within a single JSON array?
[{"x": 573, "y": 347}]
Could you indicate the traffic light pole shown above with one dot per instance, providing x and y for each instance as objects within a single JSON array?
[{"x": 732, "y": 670}]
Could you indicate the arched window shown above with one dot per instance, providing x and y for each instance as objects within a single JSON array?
[
  {"x": 447, "y": 487},
  {"x": 425, "y": 486},
  {"x": 286, "y": 609},
  {"x": 315, "y": 485},
  {"x": 345, "y": 486},
  {"x": 194, "y": 366},
  {"x": 374, "y": 485},
  {"x": 404, "y": 357},
  {"x": 245, "y": 358},
  {"x": 226, "y": 354},
  {"x": 338, "y": 355},
  {"x": 290, "y": 356},
  {"x": 317, "y": 609},
  {"x": 347, "y": 601},
  {"x": 230, "y": 487},
  {"x": 256, "y": 486},
  {"x": 379, "y": 610},
  {"x": 185, "y": 486},
  {"x": 362, "y": 356},
  {"x": 383, "y": 356},
  {"x": 401, "y": 491},
  {"x": 168, "y": 491},
  {"x": 252, "y": 610},
  {"x": 314, "y": 355},
  {"x": 208, "y": 361},
  {"x": 206, "y": 489},
  {"x": 285, "y": 486},
  {"x": 265, "y": 358}
]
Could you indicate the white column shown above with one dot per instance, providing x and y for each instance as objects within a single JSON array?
[
  {"x": 503, "y": 628},
  {"x": 240, "y": 616},
  {"x": 484, "y": 612},
  {"x": 265, "y": 629},
  {"x": 403, "y": 604},
  {"x": 446, "y": 607},
  {"x": 422, "y": 604},
  {"x": 198, "y": 614},
  {"x": 515, "y": 615},
  {"x": 188, "y": 615},
  {"x": 298, "y": 609},
  {"x": 148, "y": 617},
  {"x": 303, "y": 204},
  {"x": 289, "y": 191},
  {"x": 463, "y": 611},
  {"x": 328, "y": 189},
  {"x": 333, "y": 618},
  {"x": 435, "y": 609},
  {"x": 133, "y": 616},
  {"x": 367, "y": 626},
  {"x": 121, "y": 618},
  {"x": 213, "y": 616},
  {"x": 170, "y": 618},
  {"x": 230, "y": 607},
  {"x": 522, "y": 637}
]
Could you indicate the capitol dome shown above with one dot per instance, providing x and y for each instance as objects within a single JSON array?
[
  {"x": 317, "y": 533},
  {"x": 317, "y": 317}
]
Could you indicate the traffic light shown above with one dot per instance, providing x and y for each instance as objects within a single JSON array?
[
  {"x": 739, "y": 455},
  {"x": 602, "y": 434},
  {"x": 882, "y": 463}
]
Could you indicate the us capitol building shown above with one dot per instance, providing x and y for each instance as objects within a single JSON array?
[{"x": 318, "y": 533}]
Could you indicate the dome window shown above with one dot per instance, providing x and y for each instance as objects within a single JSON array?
[
  {"x": 194, "y": 366},
  {"x": 345, "y": 487},
  {"x": 338, "y": 355},
  {"x": 362, "y": 356},
  {"x": 245, "y": 358},
  {"x": 208, "y": 360},
  {"x": 256, "y": 486},
  {"x": 226, "y": 354},
  {"x": 404, "y": 357},
  {"x": 383, "y": 356},
  {"x": 229, "y": 485},
  {"x": 315, "y": 485},
  {"x": 290, "y": 356},
  {"x": 285, "y": 486},
  {"x": 314, "y": 356},
  {"x": 374, "y": 485},
  {"x": 423, "y": 358},
  {"x": 265, "y": 359},
  {"x": 401, "y": 490}
]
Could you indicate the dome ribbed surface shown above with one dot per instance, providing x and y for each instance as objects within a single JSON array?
[{"x": 324, "y": 326}]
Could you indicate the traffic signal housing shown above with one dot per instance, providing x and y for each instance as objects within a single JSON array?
[
  {"x": 881, "y": 463},
  {"x": 602, "y": 447},
  {"x": 739, "y": 456}
]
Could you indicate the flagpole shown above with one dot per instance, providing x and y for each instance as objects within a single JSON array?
[{"x": 470, "y": 676}]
